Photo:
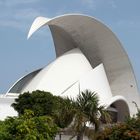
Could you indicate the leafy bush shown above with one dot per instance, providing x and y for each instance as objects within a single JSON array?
[
  {"x": 128, "y": 130},
  {"x": 28, "y": 127},
  {"x": 44, "y": 103},
  {"x": 120, "y": 131},
  {"x": 40, "y": 102}
]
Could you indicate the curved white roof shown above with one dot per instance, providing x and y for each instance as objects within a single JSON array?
[
  {"x": 60, "y": 74},
  {"x": 21, "y": 83},
  {"x": 99, "y": 44}
]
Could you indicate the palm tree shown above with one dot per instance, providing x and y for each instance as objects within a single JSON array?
[
  {"x": 64, "y": 114},
  {"x": 88, "y": 111}
]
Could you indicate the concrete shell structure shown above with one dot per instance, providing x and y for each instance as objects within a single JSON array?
[{"x": 89, "y": 56}]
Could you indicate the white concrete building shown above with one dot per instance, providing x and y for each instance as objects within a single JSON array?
[{"x": 89, "y": 56}]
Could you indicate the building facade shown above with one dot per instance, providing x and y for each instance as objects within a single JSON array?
[{"x": 88, "y": 56}]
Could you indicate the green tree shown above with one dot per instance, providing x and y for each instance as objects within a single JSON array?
[
  {"x": 89, "y": 111},
  {"x": 4, "y": 134},
  {"x": 30, "y": 127},
  {"x": 64, "y": 114},
  {"x": 40, "y": 102},
  {"x": 44, "y": 103}
]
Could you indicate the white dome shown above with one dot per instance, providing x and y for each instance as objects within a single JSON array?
[{"x": 60, "y": 74}]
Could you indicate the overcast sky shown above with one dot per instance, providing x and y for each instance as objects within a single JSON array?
[{"x": 19, "y": 56}]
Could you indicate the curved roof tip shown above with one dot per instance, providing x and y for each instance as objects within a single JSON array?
[
  {"x": 41, "y": 21},
  {"x": 38, "y": 23}
]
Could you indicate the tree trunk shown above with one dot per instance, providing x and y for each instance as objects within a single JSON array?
[
  {"x": 96, "y": 126},
  {"x": 80, "y": 136}
]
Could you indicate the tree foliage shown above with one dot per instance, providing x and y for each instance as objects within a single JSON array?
[
  {"x": 41, "y": 115},
  {"x": 28, "y": 127},
  {"x": 40, "y": 102},
  {"x": 4, "y": 134},
  {"x": 64, "y": 114},
  {"x": 44, "y": 103},
  {"x": 128, "y": 130},
  {"x": 88, "y": 112}
]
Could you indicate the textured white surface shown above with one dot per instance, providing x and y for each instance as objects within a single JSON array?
[
  {"x": 60, "y": 74},
  {"x": 100, "y": 45}
]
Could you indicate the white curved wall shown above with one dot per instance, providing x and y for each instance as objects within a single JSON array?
[
  {"x": 61, "y": 73},
  {"x": 5, "y": 108},
  {"x": 99, "y": 44},
  {"x": 96, "y": 81},
  {"x": 22, "y": 82},
  {"x": 121, "y": 105}
]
